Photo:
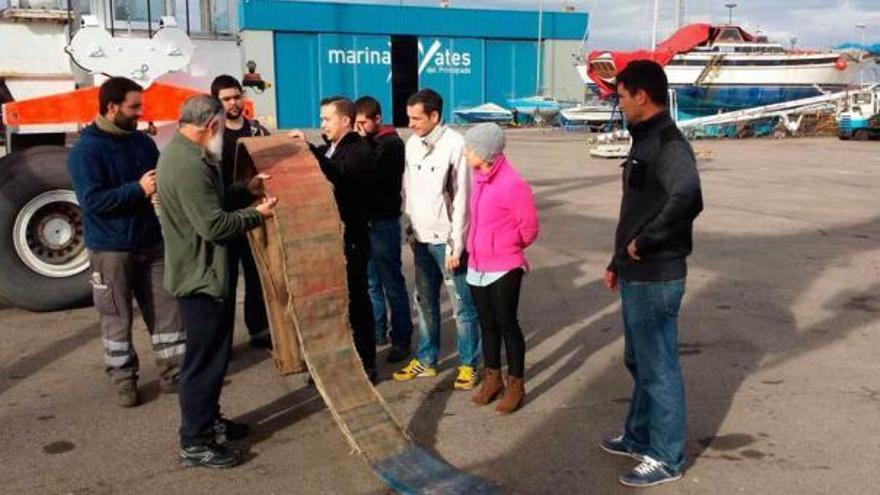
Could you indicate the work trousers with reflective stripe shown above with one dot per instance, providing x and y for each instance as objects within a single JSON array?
[{"x": 117, "y": 279}]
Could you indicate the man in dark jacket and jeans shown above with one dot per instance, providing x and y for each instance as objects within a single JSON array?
[
  {"x": 113, "y": 171},
  {"x": 347, "y": 161},
  {"x": 229, "y": 91},
  {"x": 661, "y": 199},
  {"x": 385, "y": 276},
  {"x": 197, "y": 227}
]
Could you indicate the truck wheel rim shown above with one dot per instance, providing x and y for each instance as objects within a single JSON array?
[{"x": 48, "y": 235}]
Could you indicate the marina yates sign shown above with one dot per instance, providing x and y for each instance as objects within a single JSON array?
[{"x": 436, "y": 60}]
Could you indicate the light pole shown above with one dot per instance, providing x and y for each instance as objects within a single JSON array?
[
  {"x": 862, "y": 27},
  {"x": 730, "y": 7}
]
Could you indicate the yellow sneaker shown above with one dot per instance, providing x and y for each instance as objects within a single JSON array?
[
  {"x": 414, "y": 369},
  {"x": 467, "y": 378}
]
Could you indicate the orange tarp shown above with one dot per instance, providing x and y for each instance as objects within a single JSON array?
[{"x": 161, "y": 103}]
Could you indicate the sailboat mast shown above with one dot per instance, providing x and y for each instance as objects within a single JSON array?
[
  {"x": 679, "y": 14},
  {"x": 540, "y": 33},
  {"x": 656, "y": 20}
]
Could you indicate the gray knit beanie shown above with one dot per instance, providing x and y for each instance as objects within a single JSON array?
[{"x": 486, "y": 140}]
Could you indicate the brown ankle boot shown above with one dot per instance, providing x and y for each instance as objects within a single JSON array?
[
  {"x": 513, "y": 396},
  {"x": 492, "y": 386}
]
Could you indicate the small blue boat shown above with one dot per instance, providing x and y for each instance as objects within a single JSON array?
[
  {"x": 487, "y": 112},
  {"x": 534, "y": 105}
]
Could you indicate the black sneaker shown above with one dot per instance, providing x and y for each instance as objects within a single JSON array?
[
  {"x": 397, "y": 354},
  {"x": 225, "y": 430},
  {"x": 263, "y": 342},
  {"x": 617, "y": 446},
  {"x": 209, "y": 455},
  {"x": 650, "y": 472}
]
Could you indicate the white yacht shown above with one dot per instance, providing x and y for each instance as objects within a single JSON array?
[{"x": 724, "y": 68}]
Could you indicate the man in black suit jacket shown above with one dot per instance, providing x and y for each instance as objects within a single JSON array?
[{"x": 347, "y": 161}]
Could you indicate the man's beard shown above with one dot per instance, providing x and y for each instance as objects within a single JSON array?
[
  {"x": 233, "y": 114},
  {"x": 127, "y": 123},
  {"x": 214, "y": 150}
]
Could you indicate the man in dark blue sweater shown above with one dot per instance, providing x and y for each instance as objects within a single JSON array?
[
  {"x": 661, "y": 199},
  {"x": 384, "y": 272},
  {"x": 113, "y": 168}
]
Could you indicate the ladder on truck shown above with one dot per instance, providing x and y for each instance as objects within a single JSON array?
[{"x": 813, "y": 103}]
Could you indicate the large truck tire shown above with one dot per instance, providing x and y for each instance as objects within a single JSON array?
[{"x": 44, "y": 265}]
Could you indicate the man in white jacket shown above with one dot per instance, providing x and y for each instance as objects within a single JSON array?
[{"x": 436, "y": 182}]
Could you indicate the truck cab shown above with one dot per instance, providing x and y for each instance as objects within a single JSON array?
[
  {"x": 62, "y": 51},
  {"x": 861, "y": 118}
]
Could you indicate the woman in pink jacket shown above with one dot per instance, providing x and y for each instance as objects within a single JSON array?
[{"x": 503, "y": 222}]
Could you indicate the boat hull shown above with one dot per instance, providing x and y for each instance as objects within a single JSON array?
[
  {"x": 749, "y": 72},
  {"x": 534, "y": 106},
  {"x": 588, "y": 117},
  {"x": 699, "y": 101},
  {"x": 476, "y": 118}
]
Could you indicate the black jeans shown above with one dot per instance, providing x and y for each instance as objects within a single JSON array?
[
  {"x": 360, "y": 310},
  {"x": 497, "y": 306},
  {"x": 208, "y": 324},
  {"x": 254, "y": 308}
]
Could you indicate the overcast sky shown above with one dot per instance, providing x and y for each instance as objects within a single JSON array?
[{"x": 625, "y": 24}]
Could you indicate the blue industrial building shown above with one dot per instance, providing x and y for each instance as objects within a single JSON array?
[{"x": 386, "y": 51}]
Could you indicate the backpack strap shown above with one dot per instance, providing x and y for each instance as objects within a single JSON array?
[{"x": 257, "y": 130}]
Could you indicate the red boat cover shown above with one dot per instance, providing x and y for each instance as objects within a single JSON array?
[{"x": 684, "y": 40}]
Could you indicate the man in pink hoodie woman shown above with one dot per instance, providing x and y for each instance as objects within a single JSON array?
[{"x": 504, "y": 222}]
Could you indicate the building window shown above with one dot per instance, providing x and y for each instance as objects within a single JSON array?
[
  {"x": 207, "y": 16},
  {"x": 216, "y": 17},
  {"x": 224, "y": 15},
  {"x": 729, "y": 35},
  {"x": 136, "y": 10}
]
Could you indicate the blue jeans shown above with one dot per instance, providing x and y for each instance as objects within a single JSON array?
[
  {"x": 656, "y": 423},
  {"x": 385, "y": 279},
  {"x": 431, "y": 273}
]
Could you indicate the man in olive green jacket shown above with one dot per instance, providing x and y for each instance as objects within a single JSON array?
[{"x": 196, "y": 230}]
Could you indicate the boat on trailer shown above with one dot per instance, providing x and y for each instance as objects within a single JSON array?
[
  {"x": 723, "y": 68},
  {"x": 593, "y": 114}
]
